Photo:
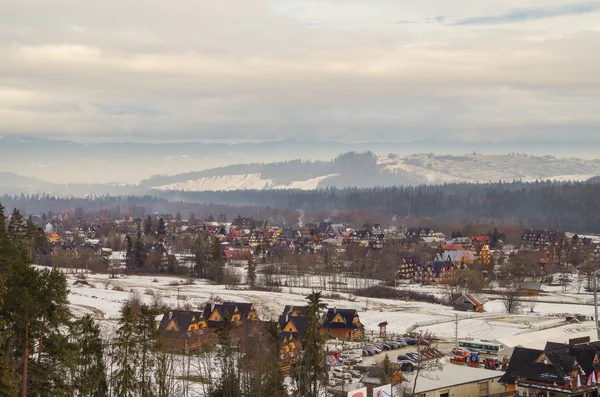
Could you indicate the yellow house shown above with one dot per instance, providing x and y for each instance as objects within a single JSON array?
[
  {"x": 482, "y": 253},
  {"x": 237, "y": 313}
]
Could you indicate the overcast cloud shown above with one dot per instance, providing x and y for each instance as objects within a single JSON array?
[{"x": 251, "y": 70}]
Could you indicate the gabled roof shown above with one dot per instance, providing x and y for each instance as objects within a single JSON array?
[
  {"x": 472, "y": 299},
  {"x": 532, "y": 285},
  {"x": 181, "y": 318},
  {"x": 346, "y": 314},
  {"x": 520, "y": 363},
  {"x": 227, "y": 310},
  {"x": 300, "y": 323},
  {"x": 302, "y": 310}
]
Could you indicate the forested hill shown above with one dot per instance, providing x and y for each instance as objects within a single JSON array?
[
  {"x": 569, "y": 206},
  {"x": 367, "y": 169},
  {"x": 573, "y": 206}
]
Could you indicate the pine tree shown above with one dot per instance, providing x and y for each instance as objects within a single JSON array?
[
  {"x": 148, "y": 226},
  {"x": 162, "y": 227},
  {"x": 125, "y": 355},
  {"x": 147, "y": 332},
  {"x": 251, "y": 272},
  {"x": 90, "y": 374},
  {"x": 8, "y": 377},
  {"x": 310, "y": 371},
  {"x": 129, "y": 259},
  {"x": 386, "y": 374},
  {"x": 140, "y": 255}
]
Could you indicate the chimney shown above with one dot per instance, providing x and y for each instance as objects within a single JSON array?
[
  {"x": 287, "y": 316},
  {"x": 170, "y": 315},
  {"x": 212, "y": 307},
  {"x": 334, "y": 310}
]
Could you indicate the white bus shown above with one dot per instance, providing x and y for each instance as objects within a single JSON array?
[{"x": 481, "y": 345}]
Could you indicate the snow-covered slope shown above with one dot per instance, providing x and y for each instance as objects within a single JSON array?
[
  {"x": 241, "y": 182},
  {"x": 367, "y": 169}
]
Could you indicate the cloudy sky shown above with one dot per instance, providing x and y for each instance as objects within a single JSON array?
[{"x": 252, "y": 70}]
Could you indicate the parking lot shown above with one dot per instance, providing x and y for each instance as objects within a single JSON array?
[{"x": 372, "y": 360}]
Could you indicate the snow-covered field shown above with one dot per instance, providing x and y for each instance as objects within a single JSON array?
[{"x": 106, "y": 296}]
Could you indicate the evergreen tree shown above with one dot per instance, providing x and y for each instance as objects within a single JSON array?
[
  {"x": 386, "y": 375},
  {"x": 36, "y": 313},
  {"x": 125, "y": 355},
  {"x": 228, "y": 384},
  {"x": 148, "y": 226},
  {"x": 147, "y": 332},
  {"x": 139, "y": 252},
  {"x": 251, "y": 272},
  {"x": 16, "y": 231},
  {"x": 310, "y": 371},
  {"x": 162, "y": 227},
  {"x": 129, "y": 259},
  {"x": 8, "y": 377},
  {"x": 90, "y": 372}
]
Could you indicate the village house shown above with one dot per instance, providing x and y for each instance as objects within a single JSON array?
[
  {"x": 342, "y": 324},
  {"x": 406, "y": 267},
  {"x": 238, "y": 313},
  {"x": 434, "y": 272},
  {"x": 468, "y": 303},
  {"x": 557, "y": 370},
  {"x": 184, "y": 329}
]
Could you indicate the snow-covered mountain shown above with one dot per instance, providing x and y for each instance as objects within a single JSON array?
[
  {"x": 350, "y": 169},
  {"x": 366, "y": 169}
]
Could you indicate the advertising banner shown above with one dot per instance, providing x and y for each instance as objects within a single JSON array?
[
  {"x": 383, "y": 391},
  {"x": 397, "y": 390},
  {"x": 358, "y": 393}
]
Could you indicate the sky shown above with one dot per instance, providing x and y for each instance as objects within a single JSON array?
[{"x": 255, "y": 70}]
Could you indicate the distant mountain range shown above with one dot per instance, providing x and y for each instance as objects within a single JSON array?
[
  {"x": 62, "y": 162},
  {"x": 351, "y": 169}
]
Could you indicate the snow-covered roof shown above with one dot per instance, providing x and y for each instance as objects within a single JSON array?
[
  {"x": 538, "y": 339},
  {"x": 450, "y": 375}
]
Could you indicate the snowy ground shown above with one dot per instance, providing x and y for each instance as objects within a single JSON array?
[{"x": 104, "y": 300}]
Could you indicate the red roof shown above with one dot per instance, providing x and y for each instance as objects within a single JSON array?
[
  {"x": 475, "y": 301},
  {"x": 481, "y": 239},
  {"x": 452, "y": 247}
]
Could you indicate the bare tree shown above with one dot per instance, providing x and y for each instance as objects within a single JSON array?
[
  {"x": 425, "y": 341},
  {"x": 231, "y": 278},
  {"x": 510, "y": 299}
]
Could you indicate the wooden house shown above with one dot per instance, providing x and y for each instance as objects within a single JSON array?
[
  {"x": 468, "y": 302},
  {"x": 558, "y": 370},
  {"x": 217, "y": 313},
  {"x": 185, "y": 330},
  {"x": 531, "y": 288},
  {"x": 342, "y": 324}
]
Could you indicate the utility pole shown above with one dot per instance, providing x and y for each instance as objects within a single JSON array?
[{"x": 456, "y": 331}]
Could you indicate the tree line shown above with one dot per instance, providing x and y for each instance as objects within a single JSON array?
[{"x": 564, "y": 205}]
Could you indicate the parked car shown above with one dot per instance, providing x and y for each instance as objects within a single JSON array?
[
  {"x": 340, "y": 373},
  {"x": 386, "y": 346},
  {"x": 407, "y": 366},
  {"x": 357, "y": 358},
  {"x": 373, "y": 348},
  {"x": 403, "y": 357},
  {"x": 354, "y": 374},
  {"x": 414, "y": 356},
  {"x": 367, "y": 352},
  {"x": 412, "y": 342},
  {"x": 349, "y": 361}
]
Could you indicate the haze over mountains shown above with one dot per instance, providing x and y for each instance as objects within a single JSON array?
[
  {"x": 69, "y": 168},
  {"x": 69, "y": 162}
]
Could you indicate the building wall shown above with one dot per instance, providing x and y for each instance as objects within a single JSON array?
[{"x": 475, "y": 389}]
